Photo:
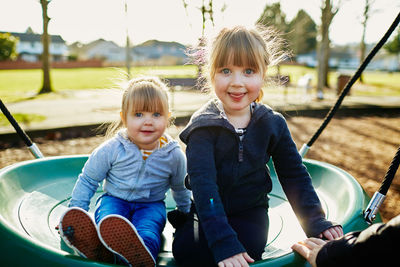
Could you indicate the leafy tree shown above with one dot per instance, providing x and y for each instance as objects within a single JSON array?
[
  {"x": 302, "y": 33},
  {"x": 207, "y": 12},
  {"x": 46, "y": 87},
  {"x": 273, "y": 16},
  {"x": 8, "y": 46},
  {"x": 393, "y": 46}
]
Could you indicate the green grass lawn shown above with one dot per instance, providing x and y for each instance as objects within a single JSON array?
[
  {"x": 377, "y": 82},
  {"x": 16, "y": 85},
  {"x": 19, "y": 84}
]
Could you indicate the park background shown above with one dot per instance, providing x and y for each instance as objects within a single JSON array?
[{"x": 362, "y": 144}]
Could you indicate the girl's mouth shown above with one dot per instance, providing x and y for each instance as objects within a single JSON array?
[
  {"x": 147, "y": 132},
  {"x": 236, "y": 96}
]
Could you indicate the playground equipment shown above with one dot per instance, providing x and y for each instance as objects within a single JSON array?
[{"x": 34, "y": 194}]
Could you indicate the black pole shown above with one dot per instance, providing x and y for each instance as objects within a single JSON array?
[{"x": 14, "y": 123}]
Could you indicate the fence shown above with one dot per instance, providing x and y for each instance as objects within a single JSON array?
[{"x": 9, "y": 65}]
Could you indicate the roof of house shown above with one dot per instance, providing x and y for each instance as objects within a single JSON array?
[
  {"x": 97, "y": 42},
  {"x": 153, "y": 43},
  {"x": 34, "y": 37}
]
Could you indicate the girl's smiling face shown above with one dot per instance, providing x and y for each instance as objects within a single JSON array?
[
  {"x": 145, "y": 128},
  {"x": 237, "y": 87}
]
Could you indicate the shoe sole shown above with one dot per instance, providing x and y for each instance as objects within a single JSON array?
[
  {"x": 120, "y": 236},
  {"x": 79, "y": 232}
]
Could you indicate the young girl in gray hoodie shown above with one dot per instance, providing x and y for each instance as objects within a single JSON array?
[{"x": 138, "y": 165}]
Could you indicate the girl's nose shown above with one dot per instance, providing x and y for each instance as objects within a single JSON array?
[
  {"x": 236, "y": 79},
  {"x": 148, "y": 120}
]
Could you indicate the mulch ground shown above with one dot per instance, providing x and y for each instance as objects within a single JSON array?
[{"x": 362, "y": 146}]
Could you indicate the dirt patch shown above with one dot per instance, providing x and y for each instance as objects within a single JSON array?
[{"x": 362, "y": 146}]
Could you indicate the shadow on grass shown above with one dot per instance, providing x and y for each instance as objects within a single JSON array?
[
  {"x": 23, "y": 118},
  {"x": 35, "y": 96}
]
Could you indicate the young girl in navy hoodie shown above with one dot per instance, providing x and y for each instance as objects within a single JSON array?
[{"x": 229, "y": 142}]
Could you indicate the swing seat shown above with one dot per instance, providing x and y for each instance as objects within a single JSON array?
[{"x": 34, "y": 194}]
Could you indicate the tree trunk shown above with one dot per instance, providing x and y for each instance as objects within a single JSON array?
[
  {"x": 128, "y": 45},
  {"x": 322, "y": 68},
  {"x": 366, "y": 14},
  {"x": 46, "y": 87},
  {"x": 324, "y": 47},
  {"x": 362, "y": 52}
]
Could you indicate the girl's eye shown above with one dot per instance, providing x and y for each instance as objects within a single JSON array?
[
  {"x": 249, "y": 71},
  {"x": 157, "y": 114},
  {"x": 225, "y": 71},
  {"x": 138, "y": 114}
]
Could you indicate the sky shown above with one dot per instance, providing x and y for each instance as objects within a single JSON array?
[{"x": 168, "y": 20}]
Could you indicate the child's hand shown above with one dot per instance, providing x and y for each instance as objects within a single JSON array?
[
  {"x": 309, "y": 249},
  {"x": 332, "y": 233},
  {"x": 177, "y": 218},
  {"x": 240, "y": 259}
]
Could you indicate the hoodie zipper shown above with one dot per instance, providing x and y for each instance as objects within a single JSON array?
[
  {"x": 240, "y": 135},
  {"x": 240, "y": 156}
]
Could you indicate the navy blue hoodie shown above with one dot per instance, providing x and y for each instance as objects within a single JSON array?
[{"x": 229, "y": 175}]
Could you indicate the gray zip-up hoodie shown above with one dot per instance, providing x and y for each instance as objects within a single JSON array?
[{"x": 126, "y": 175}]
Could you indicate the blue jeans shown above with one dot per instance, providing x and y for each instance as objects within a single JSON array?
[{"x": 149, "y": 218}]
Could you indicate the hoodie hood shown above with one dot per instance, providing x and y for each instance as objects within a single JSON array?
[
  {"x": 122, "y": 137},
  {"x": 211, "y": 115}
]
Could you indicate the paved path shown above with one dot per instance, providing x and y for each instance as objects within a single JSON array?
[{"x": 88, "y": 107}]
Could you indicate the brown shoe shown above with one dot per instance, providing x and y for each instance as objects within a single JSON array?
[
  {"x": 79, "y": 232},
  {"x": 120, "y": 236}
]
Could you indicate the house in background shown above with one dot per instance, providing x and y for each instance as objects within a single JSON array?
[
  {"x": 162, "y": 53},
  {"x": 308, "y": 59},
  {"x": 336, "y": 59},
  {"x": 29, "y": 46},
  {"x": 347, "y": 58},
  {"x": 99, "y": 49},
  {"x": 151, "y": 52}
]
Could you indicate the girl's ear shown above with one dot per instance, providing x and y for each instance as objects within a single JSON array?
[{"x": 122, "y": 118}]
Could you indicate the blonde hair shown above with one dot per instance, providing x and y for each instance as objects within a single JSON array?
[
  {"x": 257, "y": 47},
  {"x": 148, "y": 94}
]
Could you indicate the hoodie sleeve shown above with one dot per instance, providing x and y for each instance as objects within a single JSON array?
[
  {"x": 221, "y": 238},
  {"x": 375, "y": 246},
  {"x": 179, "y": 192},
  {"x": 296, "y": 181},
  {"x": 94, "y": 171}
]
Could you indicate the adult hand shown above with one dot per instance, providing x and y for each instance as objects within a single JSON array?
[
  {"x": 309, "y": 249},
  {"x": 238, "y": 260},
  {"x": 332, "y": 233}
]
